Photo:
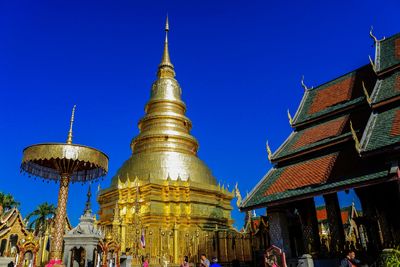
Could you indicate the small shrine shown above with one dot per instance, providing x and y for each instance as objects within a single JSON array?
[
  {"x": 81, "y": 244},
  {"x": 28, "y": 251}
]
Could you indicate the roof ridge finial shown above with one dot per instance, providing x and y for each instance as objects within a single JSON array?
[
  {"x": 166, "y": 69},
  {"x": 304, "y": 85},
  {"x": 71, "y": 123},
  {"x": 374, "y": 37}
]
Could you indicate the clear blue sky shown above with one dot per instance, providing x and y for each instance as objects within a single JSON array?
[{"x": 239, "y": 64}]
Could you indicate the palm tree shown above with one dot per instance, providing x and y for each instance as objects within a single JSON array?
[
  {"x": 42, "y": 217},
  {"x": 7, "y": 202}
]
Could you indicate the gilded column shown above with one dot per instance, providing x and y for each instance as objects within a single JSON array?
[
  {"x": 123, "y": 235},
  {"x": 57, "y": 242},
  {"x": 176, "y": 244},
  {"x": 226, "y": 245}
]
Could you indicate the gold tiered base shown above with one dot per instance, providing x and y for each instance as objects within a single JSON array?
[{"x": 176, "y": 218}]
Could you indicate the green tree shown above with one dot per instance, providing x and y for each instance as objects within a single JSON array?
[
  {"x": 7, "y": 202},
  {"x": 392, "y": 257},
  {"x": 41, "y": 217}
]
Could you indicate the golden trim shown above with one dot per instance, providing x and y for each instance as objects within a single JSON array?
[
  {"x": 366, "y": 93},
  {"x": 269, "y": 151},
  {"x": 355, "y": 138},
  {"x": 290, "y": 117}
]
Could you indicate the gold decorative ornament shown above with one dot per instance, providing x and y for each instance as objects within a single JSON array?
[
  {"x": 355, "y": 138},
  {"x": 367, "y": 96},
  {"x": 290, "y": 117},
  {"x": 238, "y": 196},
  {"x": 372, "y": 63},
  {"x": 268, "y": 150}
]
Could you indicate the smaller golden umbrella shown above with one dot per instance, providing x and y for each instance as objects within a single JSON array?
[{"x": 67, "y": 163}]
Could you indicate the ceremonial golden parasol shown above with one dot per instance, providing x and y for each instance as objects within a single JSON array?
[{"x": 64, "y": 162}]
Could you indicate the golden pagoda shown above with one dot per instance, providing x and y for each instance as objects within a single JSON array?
[{"x": 164, "y": 202}]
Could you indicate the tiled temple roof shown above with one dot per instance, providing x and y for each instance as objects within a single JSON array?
[
  {"x": 8, "y": 219},
  {"x": 383, "y": 128},
  {"x": 386, "y": 88},
  {"x": 312, "y": 137},
  {"x": 382, "y": 131},
  {"x": 258, "y": 198},
  {"x": 332, "y": 97},
  {"x": 321, "y": 126},
  {"x": 387, "y": 54}
]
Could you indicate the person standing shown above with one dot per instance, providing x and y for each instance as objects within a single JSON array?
[
  {"x": 350, "y": 260},
  {"x": 185, "y": 262},
  {"x": 145, "y": 262},
  {"x": 214, "y": 262},
  {"x": 204, "y": 261}
]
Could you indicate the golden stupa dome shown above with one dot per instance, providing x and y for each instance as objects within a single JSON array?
[{"x": 164, "y": 148}]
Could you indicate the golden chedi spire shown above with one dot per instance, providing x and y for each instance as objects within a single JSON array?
[
  {"x": 71, "y": 123},
  {"x": 164, "y": 146},
  {"x": 166, "y": 69}
]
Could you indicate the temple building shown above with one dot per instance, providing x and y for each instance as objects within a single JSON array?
[
  {"x": 346, "y": 136},
  {"x": 164, "y": 202},
  {"x": 19, "y": 244},
  {"x": 12, "y": 230}
]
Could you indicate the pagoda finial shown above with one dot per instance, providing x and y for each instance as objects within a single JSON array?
[
  {"x": 166, "y": 26},
  {"x": 269, "y": 151},
  {"x": 166, "y": 69},
  {"x": 88, "y": 208},
  {"x": 71, "y": 123}
]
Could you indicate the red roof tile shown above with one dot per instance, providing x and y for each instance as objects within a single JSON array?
[
  {"x": 320, "y": 132},
  {"x": 332, "y": 95},
  {"x": 255, "y": 223},
  {"x": 321, "y": 214},
  {"x": 397, "y": 48},
  {"x": 345, "y": 216},
  {"x": 396, "y": 124},
  {"x": 311, "y": 172}
]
